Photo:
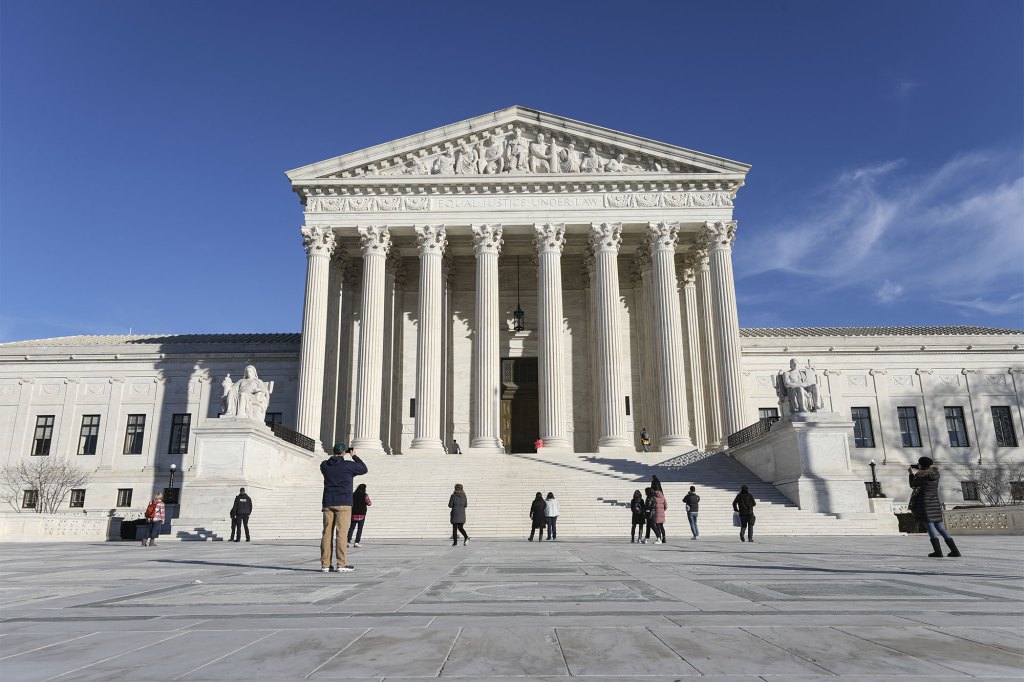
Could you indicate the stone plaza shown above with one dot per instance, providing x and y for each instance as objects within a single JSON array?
[{"x": 778, "y": 610}]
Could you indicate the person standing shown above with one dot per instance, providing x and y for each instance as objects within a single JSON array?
[
  {"x": 360, "y": 501},
  {"x": 656, "y": 483},
  {"x": 639, "y": 511},
  {"x": 926, "y": 506},
  {"x": 456, "y": 449},
  {"x": 458, "y": 503},
  {"x": 337, "y": 504},
  {"x": 650, "y": 503},
  {"x": 537, "y": 515},
  {"x": 240, "y": 511},
  {"x": 538, "y": 444},
  {"x": 154, "y": 519},
  {"x": 660, "y": 507},
  {"x": 645, "y": 440},
  {"x": 692, "y": 501},
  {"x": 744, "y": 506},
  {"x": 551, "y": 515}
]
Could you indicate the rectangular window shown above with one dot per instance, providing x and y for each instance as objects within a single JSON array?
[
  {"x": 908, "y": 427},
  {"x": 43, "y": 435},
  {"x": 124, "y": 497},
  {"x": 412, "y": 408},
  {"x": 1017, "y": 491},
  {"x": 180, "y": 424},
  {"x": 78, "y": 497},
  {"x": 272, "y": 418},
  {"x": 767, "y": 412},
  {"x": 627, "y": 405},
  {"x": 30, "y": 499},
  {"x": 956, "y": 427},
  {"x": 90, "y": 434},
  {"x": 970, "y": 490},
  {"x": 1006, "y": 437},
  {"x": 863, "y": 436},
  {"x": 134, "y": 434}
]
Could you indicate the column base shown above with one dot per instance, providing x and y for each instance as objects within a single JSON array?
[
  {"x": 616, "y": 450},
  {"x": 426, "y": 446},
  {"x": 368, "y": 445},
  {"x": 675, "y": 443},
  {"x": 556, "y": 450},
  {"x": 485, "y": 450},
  {"x": 556, "y": 442},
  {"x": 487, "y": 442}
]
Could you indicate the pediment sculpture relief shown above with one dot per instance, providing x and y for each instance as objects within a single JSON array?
[{"x": 513, "y": 152}]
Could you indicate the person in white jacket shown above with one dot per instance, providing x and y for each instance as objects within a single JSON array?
[{"x": 551, "y": 515}]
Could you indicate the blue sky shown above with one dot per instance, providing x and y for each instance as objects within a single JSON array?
[{"x": 143, "y": 144}]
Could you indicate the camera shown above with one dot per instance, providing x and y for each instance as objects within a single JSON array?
[{"x": 915, "y": 466}]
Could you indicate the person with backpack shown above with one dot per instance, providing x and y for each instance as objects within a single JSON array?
[
  {"x": 692, "y": 501},
  {"x": 551, "y": 515},
  {"x": 639, "y": 512},
  {"x": 537, "y": 515},
  {"x": 645, "y": 440},
  {"x": 154, "y": 519},
  {"x": 744, "y": 506},
  {"x": 240, "y": 511},
  {"x": 360, "y": 501}
]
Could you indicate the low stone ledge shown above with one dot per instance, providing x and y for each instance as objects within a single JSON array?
[
  {"x": 30, "y": 527},
  {"x": 985, "y": 520}
]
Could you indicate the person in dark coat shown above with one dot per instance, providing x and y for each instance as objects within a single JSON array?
[
  {"x": 639, "y": 511},
  {"x": 337, "y": 503},
  {"x": 744, "y": 505},
  {"x": 360, "y": 501},
  {"x": 537, "y": 514},
  {"x": 240, "y": 511},
  {"x": 650, "y": 504},
  {"x": 926, "y": 506},
  {"x": 656, "y": 483},
  {"x": 692, "y": 502},
  {"x": 458, "y": 503}
]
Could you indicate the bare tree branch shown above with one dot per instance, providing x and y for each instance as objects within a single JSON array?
[{"x": 51, "y": 479}]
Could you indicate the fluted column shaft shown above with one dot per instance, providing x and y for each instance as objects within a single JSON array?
[
  {"x": 375, "y": 242},
  {"x": 605, "y": 239},
  {"x": 708, "y": 352},
  {"x": 486, "y": 432},
  {"x": 550, "y": 240},
  {"x": 319, "y": 245},
  {"x": 431, "y": 241},
  {"x": 693, "y": 356},
  {"x": 719, "y": 237},
  {"x": 668, "y": 341}
]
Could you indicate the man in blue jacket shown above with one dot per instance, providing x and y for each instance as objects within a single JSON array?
[{"x": 337, "y": 504}]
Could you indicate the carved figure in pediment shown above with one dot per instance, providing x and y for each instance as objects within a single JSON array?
[
  {"x": 248, "y": 398},
  {"x": 444, "y": 164},
  {"x": 468, "y": 157},
  {"x": 494, "y": 155},
  {"x": 539, "y": 162},
  {"x": 421, "y": 166},
  {"x": 569, "y": 159},
  {"x": 592, "y": 163},
  {"x": 518, "y": 152},
  {"x": 618, "y": 164},
  {"x": 798, "y": 388}
]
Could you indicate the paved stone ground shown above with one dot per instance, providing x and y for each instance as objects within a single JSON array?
[{"x": 793, "y": 609}]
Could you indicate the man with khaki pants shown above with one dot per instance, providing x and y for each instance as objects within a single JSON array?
[{"x": 337, "y": 505}]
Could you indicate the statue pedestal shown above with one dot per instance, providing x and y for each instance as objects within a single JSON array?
[{"x": 807, "y": 457}]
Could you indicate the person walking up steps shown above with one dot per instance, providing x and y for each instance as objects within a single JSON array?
[
  {"x": 744, "y": 506},
  {"x": 458, "y": 503},
  {"x": 926, "y": 506},
  {"x": 692, "y": 501},
  {"x": 649, "y": 510},
  {"x": 639, "y": 512},
  {"x": 660, "y": 507},
  {"x": 360, "y": 501},
  {"x": 645, "y": 440},
  {"x": 538, "y": 522},
  {"x": 337, "y": 504},
  {"x": 551, "y": 515},
  {"x": 240, "y": 511}
]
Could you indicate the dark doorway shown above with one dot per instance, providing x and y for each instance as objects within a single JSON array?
[{"x": 520, "y": 409}]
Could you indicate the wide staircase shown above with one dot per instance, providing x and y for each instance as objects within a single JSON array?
[{"x": 410, "y": 497}]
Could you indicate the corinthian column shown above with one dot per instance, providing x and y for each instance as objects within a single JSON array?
[
  {"x": 605, "y": 239},
  {"x": 719, "y": 237},
  {"x": 668, "y": 336},
  {"x": 709, "y": 356},
  {"x": 550, "y": 240},
  {"x": 486, "y": 432},
  {"x": 375, "y": 243},
  {"x": 319, "y": 244},
  {"x": 690, "y": 267},
  {"x": 431, "y": 241}
]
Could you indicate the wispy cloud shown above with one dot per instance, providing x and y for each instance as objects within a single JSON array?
[{"x": 951, "y": 234}]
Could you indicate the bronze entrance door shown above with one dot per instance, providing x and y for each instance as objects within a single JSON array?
[{"x": 520, "y": 410}]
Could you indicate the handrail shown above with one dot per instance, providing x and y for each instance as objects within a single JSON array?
[
  {"x": 753, "y": 432},
  {"x": 293, "y": 437}
]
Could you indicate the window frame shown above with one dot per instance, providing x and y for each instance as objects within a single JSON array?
[
  {"x": 181, "y": 426},
  {"x": 134, "y": 432},
  {"x": 767, "y": 413},
  {"x": 1003, "y": 428},
  {"x": 30, "y": 499},
  {"x": 858, "y": 423},
  {"x": 77, "y": 500},
  {"x": 93, "y": 434},
  {"x": 124, "y": 497},
  {"x": 954, "y": 415},
  {"x": 45, "y": 441},
  {"x": 905, "y": 421},
  {"x": 970, "y": 491}
]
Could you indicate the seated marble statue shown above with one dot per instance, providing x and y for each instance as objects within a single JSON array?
[
  {"x": 799, "y": 389},
  {"x": 248, "y": 398}
]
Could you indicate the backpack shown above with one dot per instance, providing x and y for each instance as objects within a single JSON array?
[{"x": 151, "y": 510}]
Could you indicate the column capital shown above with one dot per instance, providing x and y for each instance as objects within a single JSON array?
[
  {"x": 717, "y": 234},
  {"x": 487, "y": 238},
  {"x": 605, "y": 237},
  {"x": 696, "y": 259},
  {"x": 549, "y": 237},
  {"x": 317, "y": 240},
  {"x": 661, "y": 236},
  {"x": 430, "y": 239},
  {"x": 641, "y": 263},
  {"x": 374, "y": 240},
  {"x": 688, "y": 275}
]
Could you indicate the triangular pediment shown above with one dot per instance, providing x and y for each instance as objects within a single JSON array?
[{"x": 517, "y": 142}]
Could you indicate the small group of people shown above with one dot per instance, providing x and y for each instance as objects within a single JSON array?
[
  {"x": 544, "y": 514},
  {"x": 648, "y": 511}
]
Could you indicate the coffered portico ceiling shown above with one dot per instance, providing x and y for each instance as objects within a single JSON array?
[{"x": 518, "y": 161}]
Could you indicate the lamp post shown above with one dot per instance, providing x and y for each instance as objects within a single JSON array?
[
  {"x": 876, "y": 488},
  {"x": 518, "y": 315},
  {"x": 174, "y": 468},
  {"x": 172, "y": 497}
]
